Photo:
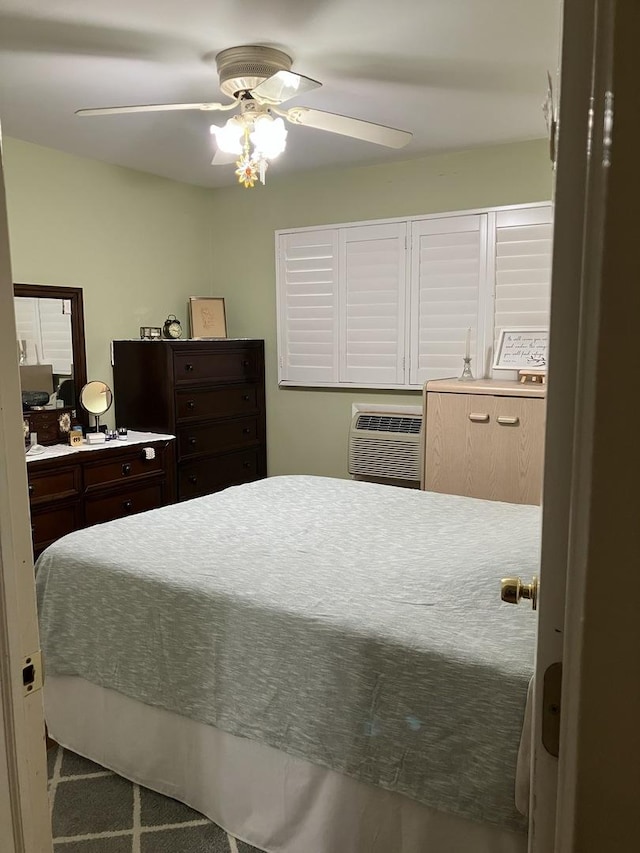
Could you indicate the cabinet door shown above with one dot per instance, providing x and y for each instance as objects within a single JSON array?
[
  {"x": 518, "y": 448},
  {"x": 459, "y": 458},
  {"x": 485, "y": 447}
]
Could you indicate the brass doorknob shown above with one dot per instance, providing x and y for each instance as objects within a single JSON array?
[{"x": 512, "y": 590}]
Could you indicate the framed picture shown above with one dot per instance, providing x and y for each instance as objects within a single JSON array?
[
  {"x": 207, "y": 317},
  {"x": 522, "y": 348}
]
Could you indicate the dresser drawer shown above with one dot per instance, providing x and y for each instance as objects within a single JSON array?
[
  {"x": 211, "y": 475},
  {"x": 53, "y": 485},
  {"x": 47, "y": 525},
  {"x": 129, "y": 466},
  {"x": 233, "y": 366},
  {"x": 216, "y": 402},
  {"x": 217, "y": 437},
  {"x": 123, "y": 502}
]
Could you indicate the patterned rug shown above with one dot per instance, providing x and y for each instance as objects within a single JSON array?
[{"x": 96, "y": 811}]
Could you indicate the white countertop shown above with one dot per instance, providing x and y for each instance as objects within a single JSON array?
[{"x": 133, "y": 437}]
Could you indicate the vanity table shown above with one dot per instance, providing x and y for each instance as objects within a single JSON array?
[{"x": 75, "y": 487}]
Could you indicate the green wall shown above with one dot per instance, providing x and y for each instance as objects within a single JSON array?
[
  {"x": 140, "y": 245},
  {"x": 307, "y": 429},
  {"x": 137, "y": 244}
]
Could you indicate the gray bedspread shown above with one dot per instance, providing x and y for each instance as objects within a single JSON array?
[{"x": 354, "y": 625}]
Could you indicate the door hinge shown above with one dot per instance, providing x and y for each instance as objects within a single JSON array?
[
  {"x": 551, "y": 706},
  {"x": 32, "y": 673}
]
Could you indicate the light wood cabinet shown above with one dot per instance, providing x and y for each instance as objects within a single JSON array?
[{"x": 484, "y": 439}]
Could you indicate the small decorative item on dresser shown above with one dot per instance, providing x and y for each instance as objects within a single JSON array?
[
  {"x": 172, "y": 328},
  {"x": 539, "y": 376},
  {"x": 75, "y": 437},
  {"x": 523, "y": 348},
  {"x": 150, "y": 333},
  {"x": 466, "y": 374},
  {"x": 207, "y": 317}
]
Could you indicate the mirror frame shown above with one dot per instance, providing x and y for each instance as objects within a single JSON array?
[{"x": 74, "y": 294}]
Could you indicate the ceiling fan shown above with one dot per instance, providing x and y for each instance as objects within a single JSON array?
[{"x": 259, "y": 80}]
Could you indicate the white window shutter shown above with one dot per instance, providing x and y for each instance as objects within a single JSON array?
[
  {"x": 448, "y": 266},
  {"x": 372, "y": 297},
  {"x": 307, "y": 307},
  {"x": 28, "y": 327},
  {"x": 523, "y": 252},
  {"x": 55, "y": 331}
]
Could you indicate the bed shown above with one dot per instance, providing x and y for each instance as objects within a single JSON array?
[{"x": 317, "y": 665}]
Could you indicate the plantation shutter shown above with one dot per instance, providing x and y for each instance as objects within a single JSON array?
[
  {"x": 307, "y": 309},
  {"x": 55, "y": 332},
  {"x": 46, "y": 328},
  {"x": 523, "y": 247},
  {"x": 372, "y": 298},
  {"x": 28, "y": 327},
  {"x": 448, "y": 265}
]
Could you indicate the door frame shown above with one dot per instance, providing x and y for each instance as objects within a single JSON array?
[
  {"x": 591, "y": 486},
  {"x": 26, "y": 825}
]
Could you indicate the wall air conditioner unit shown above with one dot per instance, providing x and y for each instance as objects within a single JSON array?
[{"x": 385, "y": 447}]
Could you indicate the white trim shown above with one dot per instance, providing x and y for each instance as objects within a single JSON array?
[
  {"x": 414, "y": 218},
  {"x": 356, "y": 386},
  {"x": 384, "y": 408}
]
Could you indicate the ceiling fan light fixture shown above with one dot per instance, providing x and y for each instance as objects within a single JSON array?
[
  {"x": 229, "y": 136},
  {"x": 269, "y": 137}
]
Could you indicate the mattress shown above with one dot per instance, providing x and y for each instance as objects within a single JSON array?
[{"x": 355, "y": 626}]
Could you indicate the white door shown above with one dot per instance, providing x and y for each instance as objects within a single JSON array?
[
  {"x": 24, "y": 808},
  {"x": 582, "y": 164}
]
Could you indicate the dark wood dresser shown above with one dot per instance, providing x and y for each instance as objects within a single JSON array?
[
  {"x": 79, "y": 488},
  {"x": 210, "y": 394}
]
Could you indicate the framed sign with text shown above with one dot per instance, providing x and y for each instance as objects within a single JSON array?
[{"x": 522, "y": 349}]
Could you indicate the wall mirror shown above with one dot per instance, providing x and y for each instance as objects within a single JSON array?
[{"x": 52, "y": 357}]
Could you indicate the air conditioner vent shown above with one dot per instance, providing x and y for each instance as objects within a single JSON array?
[
  {"x": 390, "y": 423},
  {"x": 385, "y": 446}
]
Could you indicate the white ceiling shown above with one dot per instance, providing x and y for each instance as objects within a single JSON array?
[{"x": 458, "y": 73}]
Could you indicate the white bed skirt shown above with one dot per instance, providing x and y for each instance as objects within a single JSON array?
[{"x": 260, "y": 795}]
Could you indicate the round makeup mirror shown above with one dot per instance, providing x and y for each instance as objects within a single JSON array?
[{"x": 96, "y": 398}]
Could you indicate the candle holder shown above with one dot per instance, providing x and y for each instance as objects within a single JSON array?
[{"x": 466, "y": 374}]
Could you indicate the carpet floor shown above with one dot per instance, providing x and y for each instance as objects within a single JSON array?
[{"x": 96, "y": 811}]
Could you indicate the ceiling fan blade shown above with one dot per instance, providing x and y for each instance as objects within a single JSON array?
[
  {"x": 154, "y": 108},
  {"x": 283, "y": 85},
  {"x": 223, "y": 158},
  {"x": 355, "y": 127}
]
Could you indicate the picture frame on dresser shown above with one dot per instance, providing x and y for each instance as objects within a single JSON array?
[
  {"x": 207, "y": 317},
  {"x": 522, "y": 348}
]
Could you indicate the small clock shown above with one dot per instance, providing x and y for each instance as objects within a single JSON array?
[{"x": 172, "y": 327}]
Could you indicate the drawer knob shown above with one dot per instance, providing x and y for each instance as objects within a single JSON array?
[
  {"x": 188, "y": 368},
  {"x": 193, "y": 479},
  {"x": 245, "y": 362},
  {"x": 246, "y": 464},
  {"x": 478, "y": 417},
  {"x": 192, "y": 441},
  {"x": 127, "y": 505},
  {"x": 246, "y": 398},
  {"x": 30, "y": 488},
  {"x": 126, "y": 469},
  {"x": 191, "y": 404},
  {"x": 246, "y": 430},
  {"x": 503, "y": 419}
]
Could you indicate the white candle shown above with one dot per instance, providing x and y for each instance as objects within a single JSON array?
[{"x": 467, "y": 352}]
